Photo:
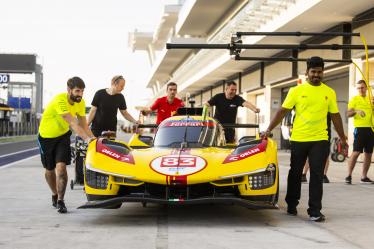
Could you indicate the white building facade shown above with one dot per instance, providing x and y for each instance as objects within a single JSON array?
[{"x": 202, "y": 73}]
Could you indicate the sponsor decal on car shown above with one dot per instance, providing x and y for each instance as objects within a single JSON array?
[
  {"x": 189, "y": 123},
  {"x": 247, "y": 153},
  {"x": 111, "y": 153},
  {"x": 178, "y": 165},
  {"x": 101, "y": 148}
]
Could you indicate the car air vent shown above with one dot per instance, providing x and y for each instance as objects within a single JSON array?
[
  {"x": 245, "y": 146},
  {"x": 233, "y": 180},
  {"x": 118, "y": 147}
]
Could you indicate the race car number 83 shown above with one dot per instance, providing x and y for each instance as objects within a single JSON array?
[
  {"x": 181, "y": 161},
  {"x": 178, "y": 164}
]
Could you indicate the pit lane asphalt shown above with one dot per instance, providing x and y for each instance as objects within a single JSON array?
[{"x": 27, "y": 220}]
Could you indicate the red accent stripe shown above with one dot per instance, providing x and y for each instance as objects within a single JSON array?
[
  {"x": 250, "y": 152},
  {"x": 178, "y": 180},
  {"x": 105, "y": 150}
]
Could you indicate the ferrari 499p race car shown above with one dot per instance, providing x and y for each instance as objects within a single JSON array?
[{"x": 187, "y": 162}]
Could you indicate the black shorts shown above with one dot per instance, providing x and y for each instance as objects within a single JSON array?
[
  {"x": 55, "y": 150},
  {"x": 363, "y": 140}
]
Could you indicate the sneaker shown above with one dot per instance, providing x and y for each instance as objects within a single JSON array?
[
  {"x": 291, "y": 211},
  {"x": 366, "y": 180},
  {"x": 54, "y": 201},
  {"x": 319, "y": 218},
  {"x": 325, "y": 179},
  {"x": 61, "y": 208},
  {"x": 348, "y": 180},
  {"x": 303, "y": 178}
]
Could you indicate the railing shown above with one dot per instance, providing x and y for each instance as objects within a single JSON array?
[{"x": 8, "y": 129}]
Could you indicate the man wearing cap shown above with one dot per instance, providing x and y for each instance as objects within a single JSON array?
[{"x": 312, "y": 101}]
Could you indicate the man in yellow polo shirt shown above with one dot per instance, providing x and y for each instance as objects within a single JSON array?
[
  {"x": 65, "y": 109},
  {"x": 312, "y": 101},
  {"x": 360, "y": 109}
]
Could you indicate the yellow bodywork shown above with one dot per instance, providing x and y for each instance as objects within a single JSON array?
[{"x": 214, "y": 171}]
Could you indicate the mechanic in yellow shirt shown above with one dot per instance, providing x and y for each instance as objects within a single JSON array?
[
  {"x": 359, "y": 107},
  {"x": 64, "y": 111},
  {"x": 312, "y": 101}
]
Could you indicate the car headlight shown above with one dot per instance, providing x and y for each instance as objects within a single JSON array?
[
  {"x": 96, "y": 180},
  {"x": 263, "y": 179}
]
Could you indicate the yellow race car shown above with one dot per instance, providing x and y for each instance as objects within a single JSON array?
[{"x": 187, "y": 162}]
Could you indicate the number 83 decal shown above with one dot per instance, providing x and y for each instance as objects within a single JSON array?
[{"x": 178, "y": 165}]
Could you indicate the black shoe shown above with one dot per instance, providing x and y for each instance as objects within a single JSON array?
[
  {"x": 292, "y": 211},
  {"x": 54, "y": 201},
  {"x": 366, "y": 180},
  {"x": 348, "y": 180},
  {"x": 303, "y": 178},
  {"x": 61, "y": 208},
  {"x": 318, "y": 218},
  {"x": 325, "y": 179}
]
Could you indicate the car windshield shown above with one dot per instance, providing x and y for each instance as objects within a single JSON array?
[{"x": 196, "y": 137}]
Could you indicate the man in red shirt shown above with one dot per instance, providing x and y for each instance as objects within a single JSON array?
[{"x": 166, "y": 106}]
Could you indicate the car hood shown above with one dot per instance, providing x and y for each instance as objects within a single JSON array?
[{"x": 165, "y": 165}]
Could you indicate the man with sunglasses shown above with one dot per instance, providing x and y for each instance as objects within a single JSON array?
[
  {"x": 105, "y": 104},
  {"x": 360, "y": 109}
]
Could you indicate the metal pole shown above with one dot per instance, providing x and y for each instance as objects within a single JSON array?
[
  {"x": 267, "y": 46},
  {"x": 290, "y": 59},
  {"x": 298, "y": 34},
  {"x": 197, "y": 46}
]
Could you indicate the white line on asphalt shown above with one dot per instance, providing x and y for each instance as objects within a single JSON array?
[
  {"x": 21, "y": 151},
  {"x": 14, "y": 142},
  {"x": 19, "y": 161}
]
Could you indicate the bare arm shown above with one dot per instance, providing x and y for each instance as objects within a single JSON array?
[
  {"x": 83, "y": 123},
  {"x": 338, "y": 124},
  {"x": 251, "y": 106},
  {"x": 128, "y": 116},
  {"x": 73, "y": 122},
  {"x": 352, "y": 112},
  {"x": 277, "y": 119},
  {"x": 91, "y": 115},
  {"x": 146, "y": 111}
]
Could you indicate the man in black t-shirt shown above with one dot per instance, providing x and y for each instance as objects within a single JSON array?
[
  {"x": 227, "y": 104},
  {"x": 105, "y": 104}
]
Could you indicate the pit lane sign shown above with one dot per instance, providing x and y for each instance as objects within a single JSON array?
[{"x": 4, "y": 78}]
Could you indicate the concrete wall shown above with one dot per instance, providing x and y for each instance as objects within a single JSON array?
[
  {"x": 277, "y": 71},
  {"x": 251, "y": 81}
]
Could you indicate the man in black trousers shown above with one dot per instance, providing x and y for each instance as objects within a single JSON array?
[{"x": 312, "y": 101}]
